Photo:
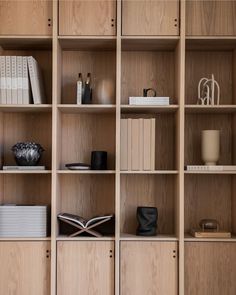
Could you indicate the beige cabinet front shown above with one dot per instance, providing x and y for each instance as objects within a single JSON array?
[
  {"x": 20, "y": 17},
  {"x": 85, "y": 267},
  {"x": 148, "y": 268},
  {"x": 210, "y": 18},
  {"x": 25, "y": 268},
  {"x": 150, "y": 17},
  {"x": 87, "y": 17}
]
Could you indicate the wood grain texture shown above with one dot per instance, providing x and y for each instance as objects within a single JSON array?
[
  {"x": 147, "y": 17},
  {"x": 44, "y": 59},
  {"x": 83, "y": 133},
  {"x": 165, "y": 139},
  {"x": 25, "y": 269},
  {"x": 148, "y": 190},
  {"x": 26, "y": 189},
  {"x": 31, "y": 17},
  {"x": 85, "y": 268},
  {"x": 210, "y": 18},
  {"x": 147, "y": 69},
  {"x": 144, "y": 268},
  {"x": 87, "y": 195},
  {"x": 195, "y": 123},
  {"x": 81, "y": 17},
  {"x": 20, "y": 127},
  {"x": 201, "y": 64},
  {"x": 101, "y": 65},
  {"x": 210, "y": 268},
  {"x": 208, "y": 196}
]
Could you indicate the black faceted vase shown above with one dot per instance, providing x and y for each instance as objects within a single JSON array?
[
  {"x": 99, "y": 160},
  {"x": 147, "y": 221}
]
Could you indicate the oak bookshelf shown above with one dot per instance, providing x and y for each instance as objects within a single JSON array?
[{"x": 167, "y": 45}]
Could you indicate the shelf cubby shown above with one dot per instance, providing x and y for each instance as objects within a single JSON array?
[
  {"x": 99, "y": 61},
  {"x": 25, "y": 126},
  {"x": 210, "y": 196},
  {"x": 86, "y": 195},
  {"x": 148, "y": 190}
]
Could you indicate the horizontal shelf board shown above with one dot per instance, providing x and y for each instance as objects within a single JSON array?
[
  {"x": 189, "y": 238},
  {"x": 25, "y": 42},
  {"x": 210, "y": 109},
  {"x": 87, "y": 42},
  {"x": 210, "y": 43},
  {"x": 86, "y": 171},
  {"x": 66, "y": 238},
  {"x": 151, "y": 172},
  {"x": 129, "y": 109},
  {"x": 25, "y": 171},
  {"x": 96, "y": 108},
  {"x": 26, "y": 108},
  {"x": 149, "y": 43},
  {"x": 209, "y": 172},
  {"x": 130, "y": 237},
  {"x": 24, "y": 239}
]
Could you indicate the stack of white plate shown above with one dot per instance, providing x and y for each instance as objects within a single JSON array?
[{"x": 23, "y": 221}]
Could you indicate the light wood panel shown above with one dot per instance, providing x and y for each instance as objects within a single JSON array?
[
  {"x": 145, "y": 17},
  {"x": 147, "y": 69},
  {"x": 20, "y": 127},
  {"x": 210, "y": 268},
  {"x": 201, "y": 64},
  {"x": 210, "y": 18},
  {"x": 26, "y": 189},
  {"x": 101, "y": 65},
  {"x": 195, "y": 123},
  {"x": 81, "y": 17},
  {"x": 208, "y": 196},
  {"x": 83, "y": 133},
  {"x": 31, "y": 17},
  {"x": 87, "y": 195},
  {"x": 148, "y": 190},
  {"x": 85, "y": 268},
  {"x": 44, "y": 59},
  {"x": 148, "y": 268},
  {"x": 25, "y": 268},
  {"x": 165, "y": 157}
]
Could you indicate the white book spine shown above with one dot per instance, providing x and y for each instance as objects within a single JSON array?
[
  {"x": 25, "y": 82},
  {"x": 8, "y": 79},
  {"x": 3, "y": 93},
  {"x": 13, "y": 80},
  {"x": 19, "y": 62},
  {"x": 153, "y": 143}
]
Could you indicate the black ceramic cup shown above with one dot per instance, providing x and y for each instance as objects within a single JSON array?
[
  {"x": 99, "y": 160},
  {"x": 147, "y": 221}
]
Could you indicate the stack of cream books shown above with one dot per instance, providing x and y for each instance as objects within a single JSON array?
[
  {"x": 21, "y": 80},
  {"x": 150, "y": 100},
  {"x": 21, "y": 221},
  {"x": 137, "y": 144}
]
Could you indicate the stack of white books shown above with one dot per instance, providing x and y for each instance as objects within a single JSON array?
[
  {"x": 210, "y": 167},
  {"x": 138, "y": 144},
  {"x": 155, "y": 101},
  {"x": 20, "y": 80},
  {"x": 21, "y": 221}
]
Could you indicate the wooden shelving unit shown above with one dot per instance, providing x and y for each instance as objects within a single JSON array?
[{"x": 167, "y": 45}]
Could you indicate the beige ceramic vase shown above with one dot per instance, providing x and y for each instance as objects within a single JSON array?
[
  {"x": 210, "y": 146},
  {"x": 105, "y": 91}
]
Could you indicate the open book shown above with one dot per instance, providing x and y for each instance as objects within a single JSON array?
[{"x": 81, "y": 221}]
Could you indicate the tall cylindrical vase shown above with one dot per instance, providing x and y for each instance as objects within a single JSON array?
[{"x": 210, "y": 146}]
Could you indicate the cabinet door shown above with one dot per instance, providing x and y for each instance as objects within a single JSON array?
[
  {"x": 210, "y": 268},
  {"x": 213, "y": 17},
  {"x": 85, "y": 267},
  {"x": 83, "y": 17},
  {"x": 150, "y": 17},
  {"x": 25, "y": 268},
  {"x": 20, "y": 17},
  {"x": 148, "y": 268}
]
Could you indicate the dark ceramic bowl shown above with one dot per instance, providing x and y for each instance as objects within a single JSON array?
[{"x": 27, "y": 153}]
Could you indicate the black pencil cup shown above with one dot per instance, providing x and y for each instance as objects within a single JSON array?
[
  {"x": 99, "y": 160},
  {"x": 147, "y": 221}
]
